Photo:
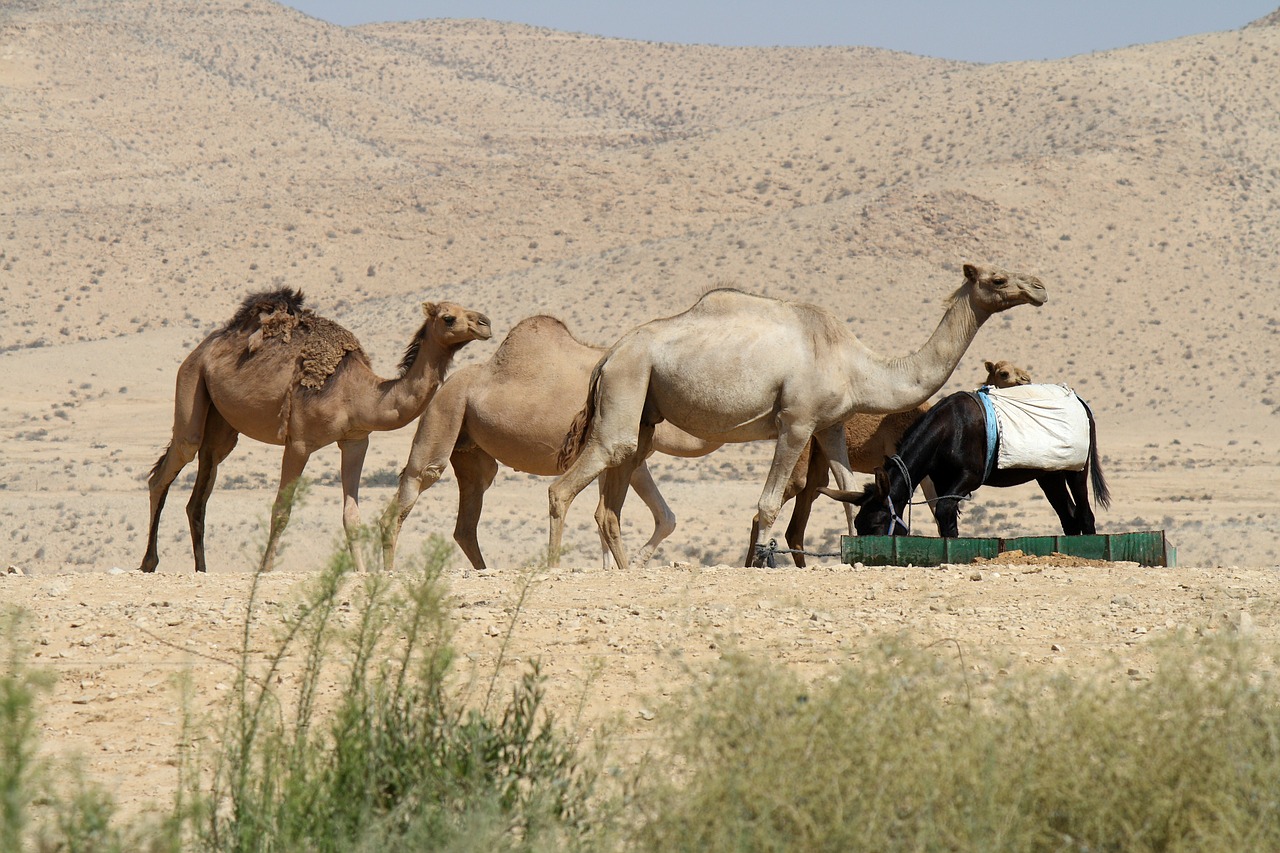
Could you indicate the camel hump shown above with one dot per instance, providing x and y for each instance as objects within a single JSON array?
[
  {"x": 320, "y": 343},
  {"x": 534, "y": 339},
  {"x": 257, "y": 307},
  {"x": 325, "y": 344}
]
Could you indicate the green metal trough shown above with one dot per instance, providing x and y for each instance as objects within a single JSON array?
[{"x": 1149, "y": 548}]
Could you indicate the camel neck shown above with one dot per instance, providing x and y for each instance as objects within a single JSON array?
[
  {"x": 915, "y": 378},
  {"x": 402, "y": 399}
]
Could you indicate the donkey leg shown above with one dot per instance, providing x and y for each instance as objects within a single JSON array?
[
  {"x": 1054, "y": 486},
  {"x": 1078, "y": 483}
]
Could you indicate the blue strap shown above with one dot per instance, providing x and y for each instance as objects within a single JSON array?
[{"x": 993, "y": 429}]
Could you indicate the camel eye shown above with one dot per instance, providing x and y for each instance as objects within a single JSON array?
[
  {"x": 449, "y": 319},
  {"x": 999, "y": 281}
]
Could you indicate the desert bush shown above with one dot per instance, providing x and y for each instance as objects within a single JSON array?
[
  {"x": 397, "y": 760},
  {"x": 901, "y": 752}
]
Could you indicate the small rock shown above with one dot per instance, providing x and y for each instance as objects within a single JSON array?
[
  {"x": 645, "y": 714},
  {"x": 116, "y": 570},
  {"x": 1241, "y": 622},
  {"x": 975, "y": 576},
  {"x": 15, "y": 570},
  {"x": 1055, "y": 648}
]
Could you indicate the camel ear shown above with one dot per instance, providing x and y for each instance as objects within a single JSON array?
[
  {"x": 970, "y": 272},
  {"x": 429, "y": 309},
  {"x": 989, "y": 365}
]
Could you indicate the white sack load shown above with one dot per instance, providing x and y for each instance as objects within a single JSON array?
[{"x": 1041, "y": 426}]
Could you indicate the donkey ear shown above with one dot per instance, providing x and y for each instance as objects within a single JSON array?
[
  {"x": 429, "y": 309},
  {"x": 882, "y": 481}
]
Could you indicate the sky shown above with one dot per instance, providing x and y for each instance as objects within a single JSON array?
[{"x": 969, "y": 30}]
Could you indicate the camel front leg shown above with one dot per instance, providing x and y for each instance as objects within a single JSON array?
[
  {"x": 475, "y": 471},
  {"x": 792, "y": 438},
  {"x": 433, "y": 443},
  {"x": 219, "y": 441},
  {"x": 816, "y": 475},
  {"x": 353, "y": 453},
  {"x": 836, "y": 448},
  {"x": 291, "y": 468}
]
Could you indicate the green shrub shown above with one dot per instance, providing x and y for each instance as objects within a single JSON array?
[
  {"x": 397, "y": 760},
  {"x": 895, "y": 754}
]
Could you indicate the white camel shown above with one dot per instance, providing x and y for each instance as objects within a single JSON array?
[{"x": 737, "y": 367}]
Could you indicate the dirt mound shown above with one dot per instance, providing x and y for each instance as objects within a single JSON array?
[{"x": 1017, "y": 558}]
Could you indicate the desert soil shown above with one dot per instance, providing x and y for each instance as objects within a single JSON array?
[{"x": 612, "y": 647}]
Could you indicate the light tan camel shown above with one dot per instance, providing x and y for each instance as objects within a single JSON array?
[
  {"x": 737, "y": 367},
  {"x": 515, "y": 409},
  {"x": 869, "y": 439},
  {"x": 1005, "y": 374},
  {"x": 281, "y": 374}
]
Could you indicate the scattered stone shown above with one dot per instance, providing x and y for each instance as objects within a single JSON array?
[{"x": 645, "y": 714}]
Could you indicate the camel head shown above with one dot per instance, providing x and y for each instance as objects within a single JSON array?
[
  {"x": 1005, "y": 374},
  {"x": 994, "y": 289},
  {"x": 447, "y": 328},
  {"x": 451, "y": 325}
]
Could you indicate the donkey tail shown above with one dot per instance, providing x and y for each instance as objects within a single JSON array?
[
  {"x": 576, "y": 437},
  {"x": 1101, "y": 494}
]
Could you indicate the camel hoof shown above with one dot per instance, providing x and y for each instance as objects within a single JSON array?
[{"x": 766, "y": 556}]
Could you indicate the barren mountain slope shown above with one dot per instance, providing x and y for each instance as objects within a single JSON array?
[{"x": 159, "y": 161}]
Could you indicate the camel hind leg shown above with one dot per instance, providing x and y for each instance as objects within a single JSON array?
[
  {"x": 614, "y": 483},
  {"x": 610, "y": 440},
  {"x": 190, "y": 411},
  {"x": 219, "y": 440},
  {"x": 664, "y": 520}
]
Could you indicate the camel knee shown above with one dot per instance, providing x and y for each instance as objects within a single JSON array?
[{"x": 664, "y": 524}]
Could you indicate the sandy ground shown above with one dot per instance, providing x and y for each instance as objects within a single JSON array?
[{"x": 612, "y": 648}]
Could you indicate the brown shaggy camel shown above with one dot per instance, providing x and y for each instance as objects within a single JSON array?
[
  {"x": 737, "y": 367},
  {"x": 281, "y": 374},
  {"x": 512, "y": 410},
  {"x": 869, "y": 439}
]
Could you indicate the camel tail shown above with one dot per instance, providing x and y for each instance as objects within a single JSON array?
[
  {"x": 577, "y": 434},
  {"x": 1101, "y": 494},
  {"x": 155, "y": 469}
]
